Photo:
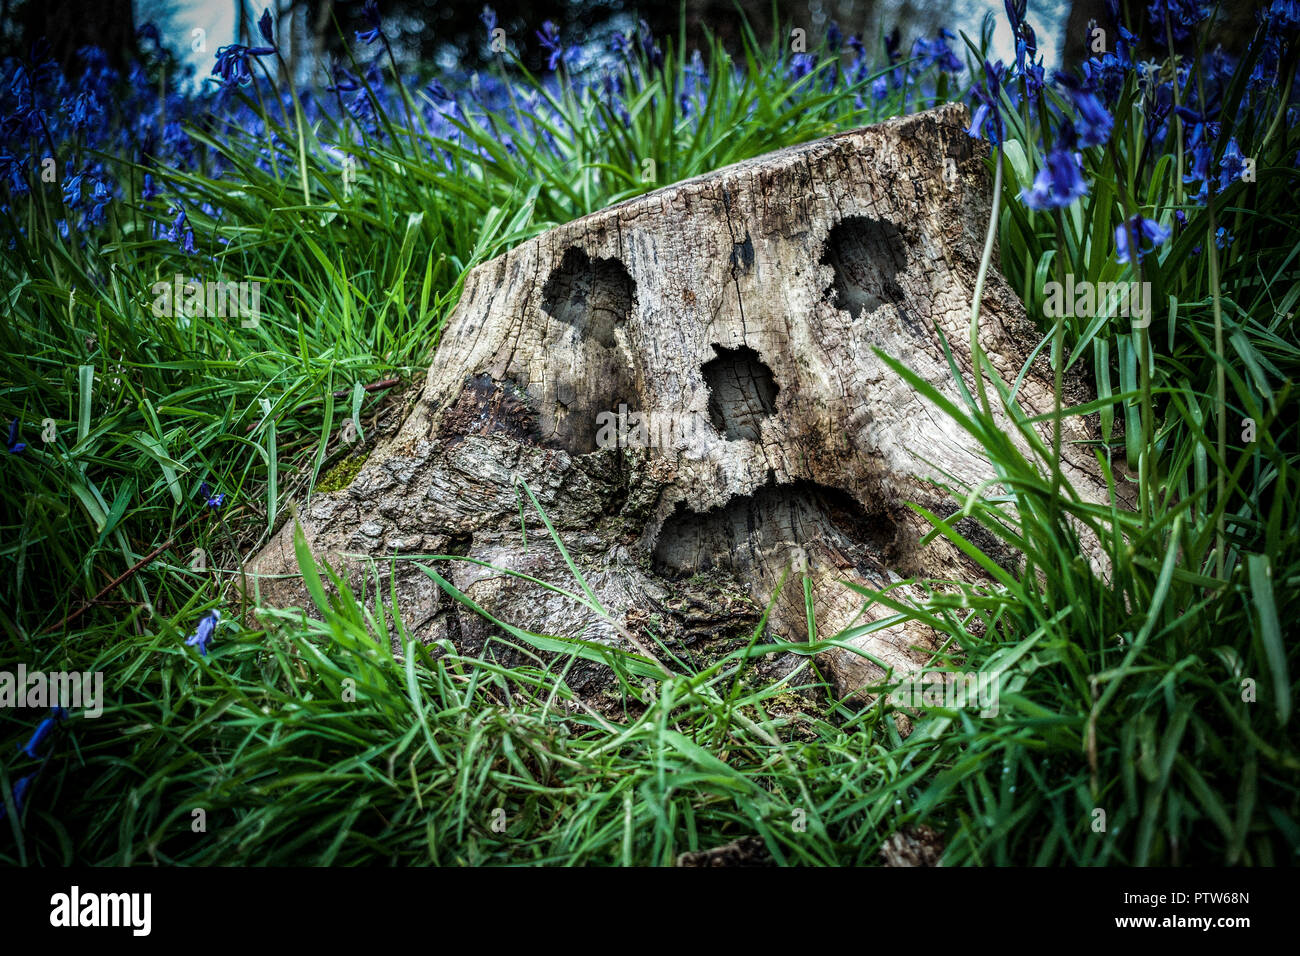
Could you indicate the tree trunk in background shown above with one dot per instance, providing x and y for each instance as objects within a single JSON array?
[
  {"x": 69, "y": 25},
  {"x": 739, "y": 310}
]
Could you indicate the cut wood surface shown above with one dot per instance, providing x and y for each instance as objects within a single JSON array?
[{"x": 737, "y": 313}]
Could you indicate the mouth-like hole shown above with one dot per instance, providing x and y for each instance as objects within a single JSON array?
[
  {"x": 742, "y": 392},
  {"x": 761, "y": 531},
  {"x": 866, "y": 256}
]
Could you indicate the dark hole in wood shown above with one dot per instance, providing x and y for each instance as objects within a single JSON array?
[
  {"x": 742, "y": 392},
  {"x": 764, "y": 528},
  {"x": 594, "y": 297},
  {"x": 866, "y": 255}
]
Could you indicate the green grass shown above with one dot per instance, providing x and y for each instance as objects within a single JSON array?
[{"x": 306, "y": 741}]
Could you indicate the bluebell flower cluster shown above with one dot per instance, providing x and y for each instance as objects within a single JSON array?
[
  {"x": 1179, "y": 17},
  {"x": 927, "y": 53},
  {"x": 1076, "y": 112},
  {"x": 549, "y": 38},
  {"x": 1061, "y": 180},
  {"x": 79, "y": 126}
]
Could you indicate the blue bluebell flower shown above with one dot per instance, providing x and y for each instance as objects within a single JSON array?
[
  {"x": 1232, "y": 165},
  {"x": 1265, "y": 71},
  {"x": 15, "y": 446},
  {"x": 1148, "y": 232},
  {"x": 987, "y": 117},
  {"x": 206, "y": 630},
  {"x": 43, "y": 731},
  {"x": 1060, "y": 182},
  {"x": 801, "y": 64},
  {"x": 1180, "y": 16},
  {"x": 489, "y": 18},
  {"x": 180, "y": 231},
  {"x": 20, "y": 794},
  {"x": 936, "y": 52},
  {"x": 232, "y": 63},
  {"x": 370, "y": 13},
  {"x": 649, "y": 47},
  {"x": 1199, "y": 126},
  {"x": 834, "y": 37},
  {"x": 942, "y": 54},
  {"x": 101, "y": 195},
  {"x": 1283, "y": 14},
  {"x": 893, "y": 45},
  {"x": 95, "y": 58},
  {"x": 1198, "y": 171},
  {"x": 72, "y": 190},
  {"x": 1026, "y": 39},
  {"x": 1093, "y": 124},
  {"x": 14, "y": 171},
  {"x": 1223, "y": 238},
  {"x": 83, "y": 109},
  {"x": 345, "y": 81},
  {"x": 549, "y": 37},
  {"x": 264, "y": 28},
  {"x": 213, "y": 501},
  {"x": 1105, "y": 75}
]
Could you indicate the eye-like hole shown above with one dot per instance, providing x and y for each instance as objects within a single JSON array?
[
  {"x": 594, "y": 297},
  {"x": 866, "y": 255},
  {"x": 742, "y": 392},
  {"x": 591, "y": 374}
]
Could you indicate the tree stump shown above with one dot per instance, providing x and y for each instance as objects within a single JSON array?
[{"x": 686, "y": 382}]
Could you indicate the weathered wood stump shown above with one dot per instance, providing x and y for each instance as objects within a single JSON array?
[{"x": 735, "y": 313}]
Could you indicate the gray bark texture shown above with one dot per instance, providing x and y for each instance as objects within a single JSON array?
[{"x": 741, "y": 308}]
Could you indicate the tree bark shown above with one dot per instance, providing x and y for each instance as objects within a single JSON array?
[{"x": 741, "y": 309}]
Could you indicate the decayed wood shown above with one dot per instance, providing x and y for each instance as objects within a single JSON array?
[{"x": 738, "y": 312}]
